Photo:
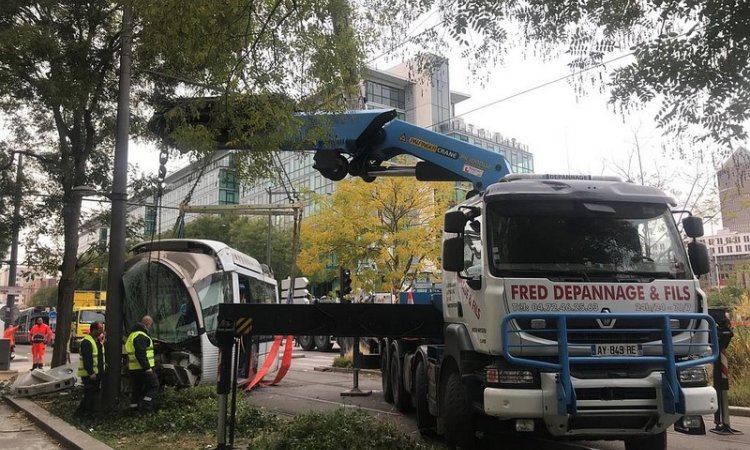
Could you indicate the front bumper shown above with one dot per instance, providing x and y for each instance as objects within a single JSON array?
[{"x": 605, "y": 407}]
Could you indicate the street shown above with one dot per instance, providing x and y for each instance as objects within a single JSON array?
[{"x": 305, "y": 389}]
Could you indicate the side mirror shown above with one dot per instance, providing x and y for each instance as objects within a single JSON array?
[
  {"x": 453, "y": 253},
  {"x": 698, "y": 255},
  {"x": 693, "y": 226},
  {"x": 455, "y": 222}
]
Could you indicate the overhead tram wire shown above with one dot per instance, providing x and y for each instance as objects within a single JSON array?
[
  {"x": 534, "y": 88},
  {"x": 565, "y": 77}
]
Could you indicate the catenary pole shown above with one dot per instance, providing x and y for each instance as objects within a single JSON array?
[{"x": 114, "y": 317}]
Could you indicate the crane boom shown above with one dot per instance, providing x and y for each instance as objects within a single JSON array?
[{"x": 361, "y": 142}]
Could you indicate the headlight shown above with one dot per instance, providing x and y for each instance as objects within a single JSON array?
[
  {"x": 512, "y": 377},
  {"x": 694, "y": 377}
]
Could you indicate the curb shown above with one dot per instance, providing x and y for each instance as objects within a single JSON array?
[
  {"x": 345, "y": 370},
  {"x": 739, "y": 411},
  {"x": 68, "y": 435}
]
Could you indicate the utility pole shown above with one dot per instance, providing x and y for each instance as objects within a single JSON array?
[
  {"x": 13, "y": 263},
  {"x": 114, "y": 316}
]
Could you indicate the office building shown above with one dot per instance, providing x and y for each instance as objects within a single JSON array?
[{"x": 729, "y": 249}]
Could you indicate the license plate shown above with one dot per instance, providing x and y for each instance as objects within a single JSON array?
[{"x": 617, "y": 350}]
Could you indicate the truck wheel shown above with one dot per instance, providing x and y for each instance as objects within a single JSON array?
[
  {"x": 306, "y": 342},
  {"x": 400, "y": 397},
  {"x": 425, "y": 421},
  {"x": 385, "y": 374},
  {"x": 456, "y": 413},
  {"x": 323, "y": 343},
  {"x": 653, "y": 442}
]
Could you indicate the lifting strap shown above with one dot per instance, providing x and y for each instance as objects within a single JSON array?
[{"x": 286, "y": 362}]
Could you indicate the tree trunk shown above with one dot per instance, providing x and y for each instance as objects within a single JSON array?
[{"x": 71, "y": 214}]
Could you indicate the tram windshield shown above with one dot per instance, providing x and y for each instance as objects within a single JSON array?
[{"x": 151, "y": 288}]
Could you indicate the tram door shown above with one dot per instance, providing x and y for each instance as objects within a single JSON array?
[{"x": 254, "y": 348}]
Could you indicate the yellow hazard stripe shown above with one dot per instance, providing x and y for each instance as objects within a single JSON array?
[{"x": 243, "y": 325}]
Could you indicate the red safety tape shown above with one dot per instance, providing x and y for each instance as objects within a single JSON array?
[{"x": 286, "y": 362}]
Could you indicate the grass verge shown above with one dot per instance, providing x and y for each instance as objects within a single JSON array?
[{"x": 186, "y": 419}]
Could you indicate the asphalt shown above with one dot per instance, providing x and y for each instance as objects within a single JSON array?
[{"x": 310, "y": 386}]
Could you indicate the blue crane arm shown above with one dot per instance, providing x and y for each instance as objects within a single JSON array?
[{"x": 359, "y": 142}]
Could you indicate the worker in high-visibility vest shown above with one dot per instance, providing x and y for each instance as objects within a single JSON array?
[
  {"x": 39, "y": 335},
  {"x": 144, "y": 383},
  {"x": 91, "y": 366}
]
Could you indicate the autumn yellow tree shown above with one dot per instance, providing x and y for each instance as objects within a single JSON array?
[{"x": 387, "y": 232}]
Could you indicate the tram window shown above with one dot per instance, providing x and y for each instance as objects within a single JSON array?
[
  {"x": 212, "y": 291},
  {"x": 256, "y": 291}
]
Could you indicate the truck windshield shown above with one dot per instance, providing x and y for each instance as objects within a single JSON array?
[
  {"x": 88, "y": 316},
  {"x": 590, "y": 241}
]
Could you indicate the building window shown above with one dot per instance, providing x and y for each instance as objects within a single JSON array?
[
  {"x": 149, "y": 221},
  {"x": 385, "y": 95},
  {"x": 721, "y": 249},
  {"x": 710, "y": 242},
  {"x": 719, "y": 241},
  {"x": 738, "y": 248},
  {"x": 746, "y": 238},
  {"x": 229, "y": 188}
]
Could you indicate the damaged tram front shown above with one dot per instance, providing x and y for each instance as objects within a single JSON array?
[{"x": 180, "y": 284}]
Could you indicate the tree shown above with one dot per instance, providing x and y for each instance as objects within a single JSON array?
[
  {"x": 44, "y": 297},
  {"x": 58, "y": 87},
  {"x": 690, "y": 57},
  {"x": 247, "y": 235},
  {"x": 387, "y": 232}
]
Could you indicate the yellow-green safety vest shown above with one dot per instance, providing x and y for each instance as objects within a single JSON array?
[
  {"x": 95, "y": 356},
  {"x": 133, "y": 363}
]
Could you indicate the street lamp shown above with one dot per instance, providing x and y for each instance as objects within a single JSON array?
[{"x": 13, "y": 263}]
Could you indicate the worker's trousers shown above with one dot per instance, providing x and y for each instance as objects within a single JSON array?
[
  {"x": 37, "y": 353},
  {"x": 144, "y": 389}
]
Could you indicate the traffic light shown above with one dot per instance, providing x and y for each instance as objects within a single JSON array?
[{"x": 346, "y": 281}]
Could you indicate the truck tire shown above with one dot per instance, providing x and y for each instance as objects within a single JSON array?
[
  {"x": 323, "y": 343},
  {"x": 653, "y": 442},
  {"x": 426, "y": 422},
  {"x": 306, "y": 342},
  {"x": 401, "y": 399},
  {"x": 456, "y": 413},
  {"x": 73, "y": 346},
  {"x": 385, "y": 373}
]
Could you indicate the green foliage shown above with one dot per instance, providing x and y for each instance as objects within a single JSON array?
[
  {"x": 728, "y": 296},
  {"x": 343, "y": 362},
  {"x": 181, "y": 412},
  {"x": 341, "y": 428},
  {"x": 248, "y": 236},
  {"x": 44, "y": 297}
]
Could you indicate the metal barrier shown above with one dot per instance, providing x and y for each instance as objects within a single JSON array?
[{"x": 566, "y": 401}]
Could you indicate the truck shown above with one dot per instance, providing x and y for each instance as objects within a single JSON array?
[
  {"x": 88, "y": 307},
  {"x": 569, "y": 309}
]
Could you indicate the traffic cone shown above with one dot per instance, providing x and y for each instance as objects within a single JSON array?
[{"x": 409, "y": 298}]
